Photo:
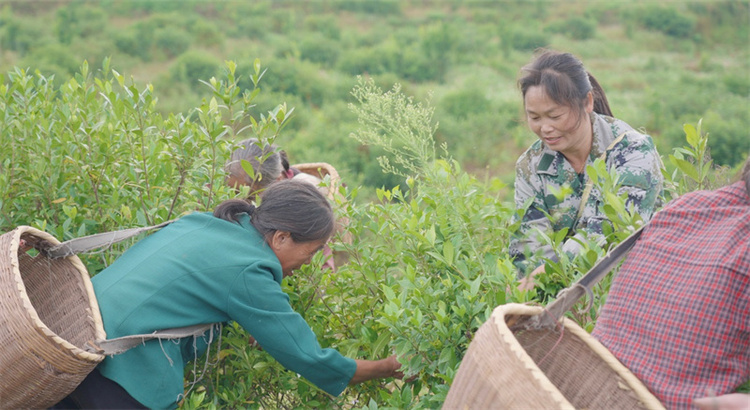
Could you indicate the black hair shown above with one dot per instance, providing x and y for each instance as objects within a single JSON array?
[
  {"x": 565, "y": 81},
  {"x": 284, "y": 160},
  {"x": 287, "y": 205}
]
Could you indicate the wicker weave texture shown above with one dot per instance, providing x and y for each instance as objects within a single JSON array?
[
  {"x": 47, "y": 314},
  {"x": 542, "y": 369},
  {"x": 320, "y": 170}
]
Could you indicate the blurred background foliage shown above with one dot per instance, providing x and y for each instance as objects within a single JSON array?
[{"x": 662, "y": 64}]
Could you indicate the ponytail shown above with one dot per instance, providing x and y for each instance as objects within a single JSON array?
[
  {"x": 288, "y": 205},
  {"x": 230, "y": 210},
  {"x": 601, "y": 105}
]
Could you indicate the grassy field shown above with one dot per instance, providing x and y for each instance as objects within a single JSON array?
[{"x": 662, "y": 65}]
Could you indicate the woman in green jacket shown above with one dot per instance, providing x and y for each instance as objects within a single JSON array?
[{"x": 213, "y": 268}]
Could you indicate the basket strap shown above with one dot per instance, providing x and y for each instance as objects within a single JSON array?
[
  {"x": 97, "y": 241},
  {"x": 590, "y": 183},
  {"x": 121, "y": 344},
  {"x": 570, "y": 295}
]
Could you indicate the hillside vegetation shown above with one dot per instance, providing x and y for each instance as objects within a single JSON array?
[
  {"x": 118, "y": 114},
  {"x": 662, "y": 64}
]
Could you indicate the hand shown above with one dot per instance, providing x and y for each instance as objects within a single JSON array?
[
  {"x": 527, "y": 283},
  {"x": 395, "y": 367},
  {"x": 377, "y": 369},
  {"x": 733, "y": 401},
  {"x": 253, "y": 343}
]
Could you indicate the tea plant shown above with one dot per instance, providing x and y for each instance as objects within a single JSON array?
[{"x": 427, "y": 261}]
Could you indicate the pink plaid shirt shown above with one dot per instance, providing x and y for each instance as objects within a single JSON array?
[{"x": 678, "y": 312}]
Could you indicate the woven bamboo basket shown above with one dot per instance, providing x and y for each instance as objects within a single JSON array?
[
  {"x": 320, "y": 170},
  {"x": 542, "y": 369},
  {"x": 48, "y": 313}
]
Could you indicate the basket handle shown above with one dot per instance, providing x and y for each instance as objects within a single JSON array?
[
  {"x": 96, "y": 241},
  {"x": 570, "y": 295}
]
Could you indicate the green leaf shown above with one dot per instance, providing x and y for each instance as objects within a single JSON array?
[
  {"x": 687, "y": 168},
  {"x": 691, "y": 135},
  {"x": 448, "y": 252}
]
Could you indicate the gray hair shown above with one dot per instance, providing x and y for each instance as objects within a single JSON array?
[{"x": 264, "y": 159}]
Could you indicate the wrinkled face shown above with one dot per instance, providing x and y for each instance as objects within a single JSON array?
[
  {"x": 560, "y": 127},
  {"x": 291, "y": 254}
]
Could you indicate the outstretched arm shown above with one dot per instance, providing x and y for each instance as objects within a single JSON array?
[{"x": 376, "y": 369}]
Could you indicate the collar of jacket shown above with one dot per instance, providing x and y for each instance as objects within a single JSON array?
[{"x": 551, "y": 160}]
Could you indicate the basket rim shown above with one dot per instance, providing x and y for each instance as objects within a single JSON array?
[
  {"x": 100, "y": 334},
  {"x": 305, "y": 167},
  {"x": 498, "y": 315}
]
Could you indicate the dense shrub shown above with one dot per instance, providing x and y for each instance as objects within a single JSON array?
[
  {"x": 427, "y": 264},
  {"x": 527, "y": 39},
  {"x": 323, "y": 24},
  {"x": 319, "y": 50},
  {"x": 438, "y": 42},
  {"x": 20, "y": 34},
  {"x": 171, "y": 41},
  {"x": 299, "y": 78},
  {"x": 362, "y": 60},
  {"x": 132, "y": 42},
  {"x": 52, "y": 60},
  {"x": 383, "y": 7},
  {"x": 666, "y": 20},
  {"x": 738, "y": 84},
  {"x": 194, "y": 66},
  {"x": 77, "y": 20},
  {"x": 462, "y": 103},
  {"x": 576, "y": 27},
  {"x": 204, "y": 33}
]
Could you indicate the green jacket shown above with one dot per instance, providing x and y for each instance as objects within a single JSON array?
[
  {"x": 201, "y": 269},
  {"x": 541, "y": 171}
]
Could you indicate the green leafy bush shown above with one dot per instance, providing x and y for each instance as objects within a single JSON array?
[
  {"x": 77, "y": 20},
  {"x": 194, "y": 66},
  {"x": 666, "y": 20},
  {"x": 427, "y": 260},
  {"x": 576, "y": 27},
  {"x": 527, "y": 39},
  {"x": 171, "y": 41},
  {"x": 20, "y": 34},
  {"x": 320, "y": 50}
]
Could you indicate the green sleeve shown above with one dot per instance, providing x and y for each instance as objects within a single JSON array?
[{"x": 260, "y": 306}]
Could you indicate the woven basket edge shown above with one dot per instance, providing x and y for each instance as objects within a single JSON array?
[
  {"x": 31, "y": 310},
  {"x": 330, "y": 171},
  {"x": 498, "y": 316},
  {"x": 647, "y": 398}
]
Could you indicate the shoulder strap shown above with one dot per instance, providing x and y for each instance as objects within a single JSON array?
[
  {"x": 121, "y": 344},
  {"x": 100, "y": 240},
  {"x": 97, "y": 241},
  {"x": 590, "y": 184}
]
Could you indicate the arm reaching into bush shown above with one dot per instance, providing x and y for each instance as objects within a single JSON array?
[{"x": 377, "y": 369}]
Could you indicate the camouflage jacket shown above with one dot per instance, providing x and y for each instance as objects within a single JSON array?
[{"x": 541, "y": 171}]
